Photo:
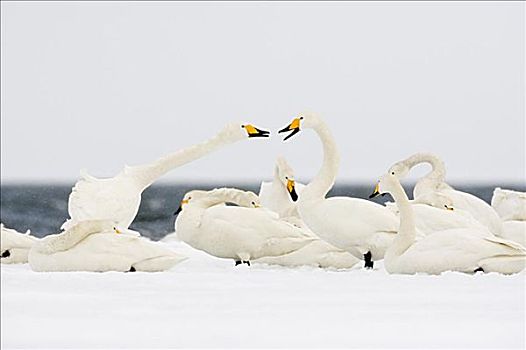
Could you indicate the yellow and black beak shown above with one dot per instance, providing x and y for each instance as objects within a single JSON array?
[
  {"x": 376, "y": 191},
  {"x": 448, "y": 207},
  {"x": 255, "y": 132},
  {"x": 291, "y": 188},
  {"x": 294, "y": 127},
  {"x": 184, "y": 201},
  {"x": 117, "y": 230}
]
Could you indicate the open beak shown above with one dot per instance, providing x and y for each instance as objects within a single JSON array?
[
  {"x": 294, "y": 127},
  {"x": 291, "y": 187},
  {"x": 376, "y": 191},
  {"x": 255, "y": 132}
]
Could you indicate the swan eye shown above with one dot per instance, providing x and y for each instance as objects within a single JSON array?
[
  {"x": 253, "y": 203},
  {"x": 242, "y": 126},
  {"x": 392, "y": 172},
  {"x": 286, "y": 177},
  {"x": 301, "y": 118}
]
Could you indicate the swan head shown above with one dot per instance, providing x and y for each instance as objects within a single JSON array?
[
  {"x": 435, "y": 199},
  {"x": 241, "y": 131},
  {"x": 386, "y": 184},
  {"x": 305, "y": 120},
  {"x": 285, "y": 175},
  {"x": 242, "y": 198},
  {"x": 399, "y": 169}
]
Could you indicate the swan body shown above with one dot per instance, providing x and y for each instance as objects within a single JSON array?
[
  {"x": 242, "y": 233},
  {"x": 514, "y": 230},
  {"x": 280, "y": 196},
  {"x": 118, "y": 198},
  {"x": 450, "y": 250},
  {"x": 435, "y": 212},
  {"x": 510, "y": 205},
  {"x": 434, "y": 182},
  {"x": 95, "y": 246},
  {"x": 361, "y": 227},
  {"x": 15, "y": 246}
]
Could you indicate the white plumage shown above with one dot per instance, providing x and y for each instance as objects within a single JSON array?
[
  {"x": 355, "y": 225},
  {"x": 242, "y": 233},
  {"x": 464, "y": 250},
  {"x": 118, "y": 198},
  {"x": 15, "y": 246},
  {"x": 94, "y": 245},
  {"x": 277, "y": 196}
]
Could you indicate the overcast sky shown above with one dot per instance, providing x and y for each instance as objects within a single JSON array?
[{"x": 100, "y": 85}]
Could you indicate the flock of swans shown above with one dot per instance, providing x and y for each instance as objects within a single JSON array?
[{"x": 290, "y": 224}]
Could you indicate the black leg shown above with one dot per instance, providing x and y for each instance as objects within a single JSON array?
[
  {"x": 6, "y": 254},
  {"x": 132, "y": 269},
  {"x": 480, "y": 269},
  {"x": 238, "y": 262},
  {"x": 246, "y": 262},
  {"x": 368, "y": 260}
]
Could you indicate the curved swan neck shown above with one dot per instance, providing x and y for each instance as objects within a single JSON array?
[
  {"x": 407, "y": 232},
  {"x": 324, "y": 180},
  {"x": 67, "y": 239},
  {"x": 149, "y": 173},
  {"x": 438, "y": 169}
]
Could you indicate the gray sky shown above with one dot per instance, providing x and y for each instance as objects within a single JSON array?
[{"x": 98, "y": 85}]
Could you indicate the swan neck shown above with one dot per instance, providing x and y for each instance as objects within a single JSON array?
[
  {"x": 66, "y": 240},
  {"x": 406, "y": 232},
  {"x": 149, "y": 173},
  {"x": 324, "y": 180},
  {"x": 434, "y": 177}
]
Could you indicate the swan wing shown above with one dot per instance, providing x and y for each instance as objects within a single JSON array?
[
  {"x": 510, "y": 205},
  {"x": 115, "y": 198}
]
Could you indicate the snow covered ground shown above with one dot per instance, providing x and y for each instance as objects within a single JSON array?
[{"x": 206, "y": 302}]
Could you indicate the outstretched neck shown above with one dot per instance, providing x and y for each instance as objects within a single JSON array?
[
  {"x": 407, "y": 232},
  {"x": 324, "y": 180},
  {"x": 146, "y": 174}
]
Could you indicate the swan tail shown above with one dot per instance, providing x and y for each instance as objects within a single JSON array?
[
  {"x": 160, "y": 263},
  {"x": 520, "y": 250},
  {"x": 504, "y": 264}
]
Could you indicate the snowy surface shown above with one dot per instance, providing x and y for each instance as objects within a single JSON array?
[{"x": 206, "y": 302}]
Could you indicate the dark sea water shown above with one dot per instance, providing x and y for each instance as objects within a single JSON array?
[{"x": 43, "y": 207}]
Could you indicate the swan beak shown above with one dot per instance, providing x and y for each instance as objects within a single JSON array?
[
  {"x": 255, "y": 132},
  {"x": 448, "y": 207},
  {"x": 291, "y": 187},
  {"x": 183, "y": 202},
  {"x": 294, "y": 127},
  {"x": 376, "y": 191},
  {"x": 117, "y": 231}
]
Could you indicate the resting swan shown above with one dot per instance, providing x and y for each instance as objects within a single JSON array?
[
  {"x": 511, "y": 207},
  {"x": 96, "y": 245},
  {"x": 241, "y": 233},
  {"x": 435, "y": 212},
  {"x": 434, "y": 181},
  {"x": 15, "y": 246},
  {"x": 361, "y": 227},
  {"x": 452, "y": 250},
  {"x": 118, "y": 198},
  {"x": 280, "y": 196}
]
